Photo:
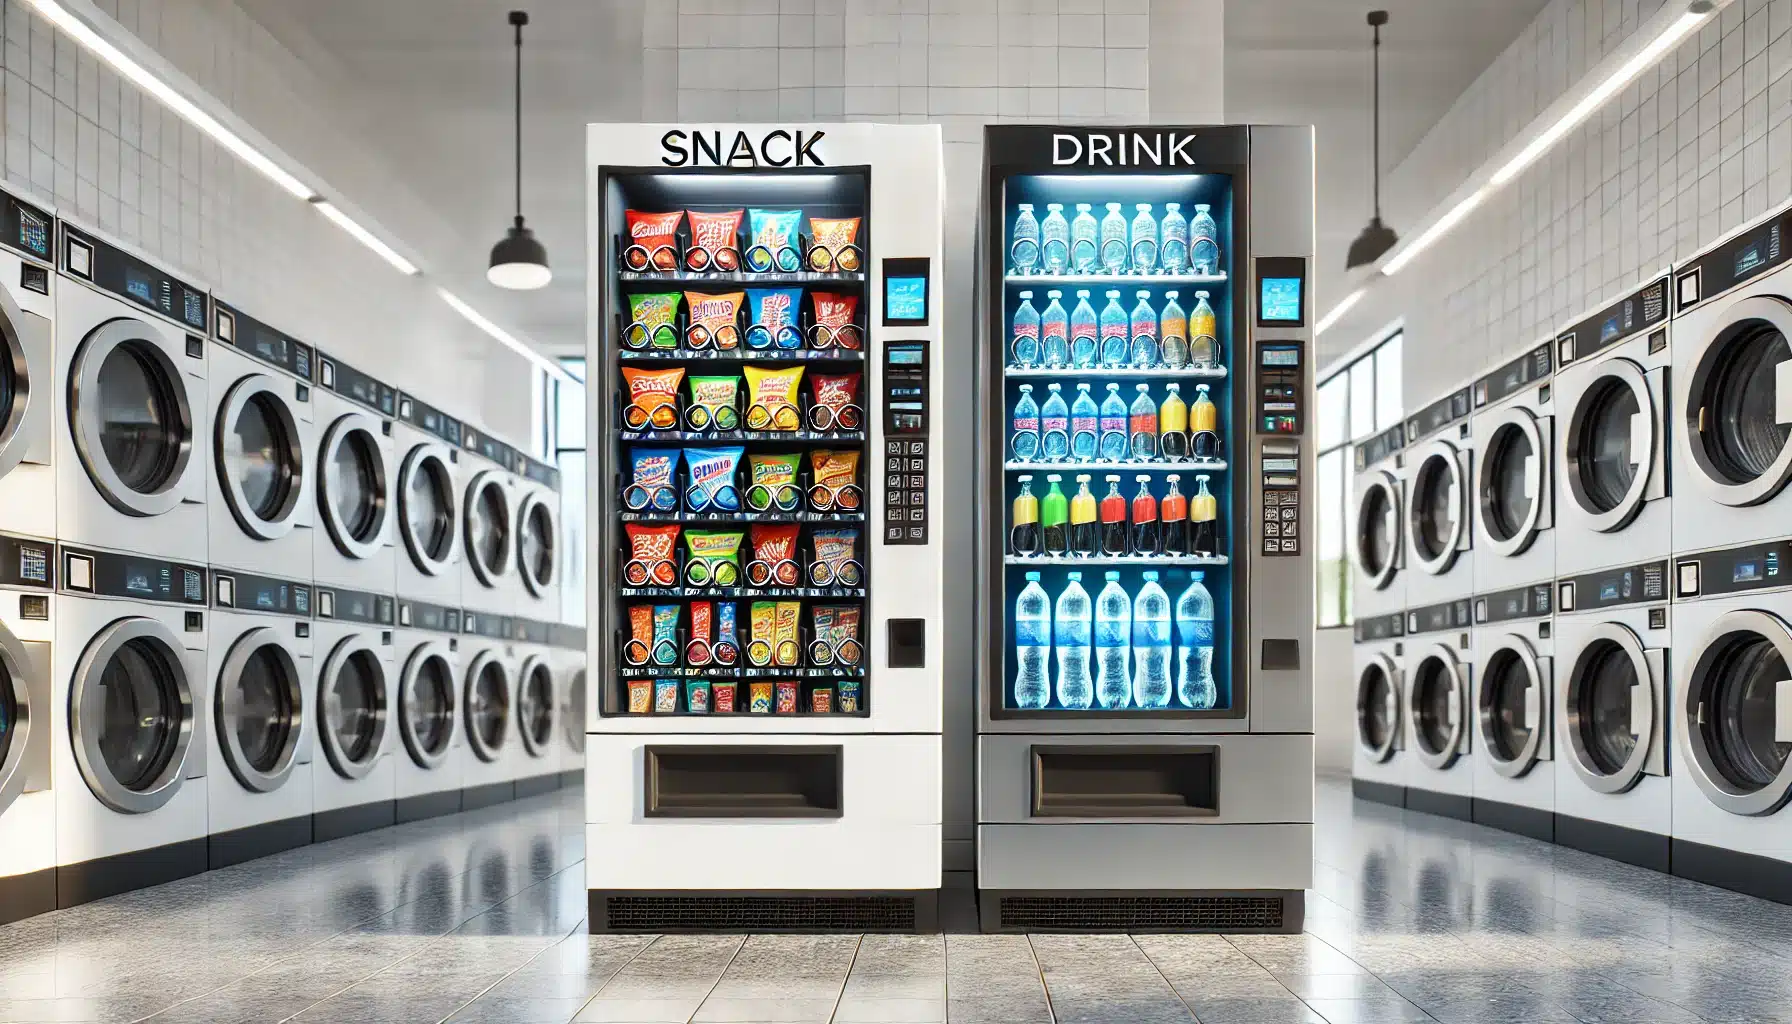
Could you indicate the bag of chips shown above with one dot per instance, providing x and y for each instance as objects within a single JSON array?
[
  {"x": 774, "y": 241},
  {"x": 762, "y": 621},
  {"x": 665, "y": 696},
  {"x": 836, "y": 402},
  {"x": 665, "y": 633},
  {"x": 650, "y": 486},
  {"x": 759, "y": 701},
  {"x": 652, "y": 240},
  {"x": 713, "y": 404},
  {"x": 835, "y": 322},
  {"x": 711, "y": 487},
  {"x": 727, "y": 645},
  {"x": 786, "y": 696},
  {"x": 713, "y": 558},
  {"x": 772, "y": 318},
  {"x": 771, "y": 398},
  {"x": 835, "y": 486},
  {"x": 652, "y": 398},
  {"x": 771, "y": 482},
  {"x": 787, "y": 651},
  {"x": 714, "y": 320},
  {"x": 638, "y": 650},
  {"x": 651, "y": 550},
  {"x": 774, "y": 555},
  {"x": 722, "y": 695},
  {"x": 835, "y": 562},
  {"x": 849, "y": 696},
  {"x": 653, "y": 322},
  {"x": 696, "y": 696},
  {"x": 833, "y": 245},
  {"x": 715, "y": 241},
  {"x": 640, "y": 696}
]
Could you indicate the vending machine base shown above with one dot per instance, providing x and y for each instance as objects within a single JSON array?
[
  {"x": 685, "y": 911},
  {"x": 1207, "y": 911}
]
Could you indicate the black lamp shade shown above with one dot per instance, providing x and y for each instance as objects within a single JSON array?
[
  {"x": 1375, "y": 241},
  {"x": 518, "y": 261}
]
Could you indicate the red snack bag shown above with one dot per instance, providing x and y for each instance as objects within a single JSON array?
[
  {"x": 786, "y": 696},
  {"x": 651, "y": 553},
  {"x": 652, "y": 240},
  {"x": 774, "y": 555},
  {"x": 698, "y": 650},
  {"x": 836, "y": 405},
  {"x": 715, "y": 240},
  {"x": 834, "y": 322},
  {"x": 721, "y": 697}
]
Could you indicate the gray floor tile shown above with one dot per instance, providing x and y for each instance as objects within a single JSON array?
[
  {"x": 640, "y": 1011},
  {"x": 891, "y": 1010}
]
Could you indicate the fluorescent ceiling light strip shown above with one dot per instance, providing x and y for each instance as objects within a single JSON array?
[
  {"x": 1437, "y": 230},
  {"x": 144, "y": 79},
  {"x": 504, "y": 337},
  {"x": 1633, "y": 67},
  {"x": 1339, "y": 310},
  {"x": 364, "y": 236}
]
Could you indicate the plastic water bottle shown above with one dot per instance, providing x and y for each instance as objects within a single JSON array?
[
  {"x": 1032, "y": 645},
  {"x": 1172, "y": 333},
  {"x": 1115, "y": 332},
  {"x": 1054, "y": 332},
  {"x": 1194, "y": 656},
  {"x": 1151, "y": 645},
  {"x": 1204, "y": 241},
  {"x": 1071, "y": 628},
  {"x": 1085, "y": 332},
  {"x": 1024, "y": 338},
  {"x": 1113, "y": 634},
  {"x": 1114, "y": 441},
  {"x": 1054, "y": 239},
  {"x": 1023, "y": 246},
  {"x": 1113, "y": 241},
  {"x": 1024, "y": 440},
  {"x": 1146, "y": 352},
  {"x": 1142, "y": 425},
  {"x": 1085, "y": 425},
  {"x": 1173, "y": 249},
  {"x": 1085, "y": 240},
  {"x": 1054, "y": 425},
  {"x": 1144, "y": 240}
]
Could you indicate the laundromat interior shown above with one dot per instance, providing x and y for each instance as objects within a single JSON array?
[{"x": 903, "y": 511}]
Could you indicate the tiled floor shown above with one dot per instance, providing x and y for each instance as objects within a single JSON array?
[{"x": 479, "y": 918}]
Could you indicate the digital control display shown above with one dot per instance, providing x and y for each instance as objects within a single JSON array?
[
  {"x": 906, "y": 446},
  {"x": 1280, "y": 387},
  {"x": 1735, "y": 570},
  {"x": 1281, "y": 299},
  {"x": 906, "y": 291},
  {"x": 123, "y": 274},
  {"x": 1281, "y": 355},
  {"x": 33, "y": 231},
  {"x": 1760, "y": 251},
  {"x": 139, "y": 286},
  {"x": 1281, "y": 291},
  {"x": 346, "y": 380},
  {"x": 148, "y": 579}
]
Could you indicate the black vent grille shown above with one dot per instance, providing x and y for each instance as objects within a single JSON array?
[
  {"x": 760, "y": 913},
  {"x": 1143, "y": 913}
]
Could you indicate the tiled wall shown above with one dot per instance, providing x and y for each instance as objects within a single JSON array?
[{"x": 78, "y": 137}]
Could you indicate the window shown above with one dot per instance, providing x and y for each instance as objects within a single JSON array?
[
  {"x": 1356, "y": 401},
  {"x": 567, "y": 427}
]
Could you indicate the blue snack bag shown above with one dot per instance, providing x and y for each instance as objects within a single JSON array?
[
  {"x": 650, "y": 485},
  {"x": 712, "y": 479},
  {"x": 772, "y": 241},
  {"x": 772, "y": 316}
]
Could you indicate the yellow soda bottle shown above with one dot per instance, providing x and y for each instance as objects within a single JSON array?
[
  {"x": 1172, "y": 425},
  {"x": 1204, "y": 425},
  {"x": 1024, "y": 530},
  {"x": 1203, "y": 333},
  {"x": 1084, "y": 532}
]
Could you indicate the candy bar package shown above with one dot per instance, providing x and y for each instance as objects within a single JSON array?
[
  {"x": 715, "y": 320},
  {"x": 651, "y": 549},
  {"x": 700, "y": 648},
  {"x": 833, "y": 244},
  {"x": 665, "y": 696},
  {"x": 650, "y": 487},
  {"x": 711, "y": 471},
  {"x": 821, "y": 700},
  {"x": 762, "y": 622},
  {"x": 715, "y": 241},
  {"x": 786, "y": 696},
  {"x": 849, "y": 696},
  {"x": 759, "y": 698},
  {"x": 714, "y": 558},
  {"x": 786, "y": 629},
  {"x": 772, "y": 318},
  {"x": 696, "y": 696},
  {"x": 652, "y": 398},
  {"x": 640, "y": 696},
  {"x": 653, "y": 321},
  {"x": 821, "y": 649},
  {"x": 771, "y": 398},
  {"x": 727, "y": 644},
  {"x": 845, "y": 636},
  {"x": 771, "y": 482},
  {"x": 774, "y": 555},
  {"x": 665, "y": 633},
  {"x": 722, "y": 695},
  {"x": 773, "y": 242},
  {"x": 638, "y": 650},
  {"x": 652, "y": 240}
]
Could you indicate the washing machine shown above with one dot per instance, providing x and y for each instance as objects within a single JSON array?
[
  {"x": 539, "y": 694},
  {"x": 27, "y": 806},
  {"x": 27, "y": 368},
  {"x": 539, "y": 551},
  {"x": 128, "y": 745},
  {"x": 356, "y": 480},
  {"x": 429, "y": 764},
  {"x": 259, "y": 743},
  {"x": 488, "y": 710},
  {"x": 569, "y": 642},
  {"x": 489, "y": 581},
  {"x": 1514, "y": 709},
  {"x": 1438, "y": 673},
  {"x": 1613, "y": 702},
  {"x": 1439, "y": 528},
  {"x": 1514, "y": 428},
  {"x": 131, "y": 403},
  {"x": 1732, "y": 778},
  {"x": 1377, "y": 555},
  {"x": 1381, "y": 765},
  {"x": 1611, "y": 453},
  {"x": 427, "y": 442},
  {"x": 263, "y": 449},
  {"x": 353, "y": 773},
  {"x": 1732, "y": 385}
]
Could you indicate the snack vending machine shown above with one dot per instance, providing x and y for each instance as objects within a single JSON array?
[
  {"x": 766, "y": 589},
  {"x": 1145, "y": 584}
]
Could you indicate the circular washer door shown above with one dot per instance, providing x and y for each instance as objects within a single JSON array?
[
  {"x": 1377, "y": 540},
  {"x": 1378, "y": 709},
  {"x": 535, "y": 705},
  {"x": 16, "y": 720},
  {"x": 1513, "y": 703},
  {"x": 488, "y": 527},
  {"x": 131, "y": 715},
  {"x": 260, "y": 710},
  {"x": 426, "y": 704},
  {"x": 15, "y": 385},
  {"x": 351, "y": 492},
  {"x": 352, "y": 703},
  {"x": 538, "y": 543},
  {"x": 488, "y": 705},
  {"x": 131, "y": 417},
  {"x": 261, "y": 457},
  {"x": 573, "y": 717},
  {"x": 1437, "y": 701},
  {"x": 427, "y": 515},
  {"x": 1611, "y": 702},
  {"x": 1435, "y": 521},
  {"x": 1737, "y": 421},
  {"x": 1730, "y": 712},
  {"x": 1513, "y": 481},
  {"x": 1614, "y": 438}
]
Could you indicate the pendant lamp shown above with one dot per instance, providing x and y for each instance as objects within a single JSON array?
[
  {"x": 518, "y": 261},
  {"x": 1377, "y": 238}
]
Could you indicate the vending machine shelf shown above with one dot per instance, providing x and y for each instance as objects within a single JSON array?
[
  {"x": 1149, "y": 561},
  {"x": 1157, "y": 465},
  {"x": 1114, "y": 279},
  {"x": 745, "y": 277},
  {"x": 742, "y": 593},
  {"x": 742, "y": 355},
  {"x": 1197, "y": 372},
  {"x": 747, "y": 436},
  {"x": 742, "y": 518}
]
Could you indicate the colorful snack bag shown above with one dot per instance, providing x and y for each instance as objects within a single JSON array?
[
  {"x": 774, "y": 240},
  {"x": 665, "y": 696},
  {"x": 786, "y": 628},
  {"x": 714, "y": 403},
  {"x": 832, "y": 245},
  {"x": 651, "y": 550},
  {"x": 700, "y": 648},
  {"x": 722, "y": 695},
  {"x": 638, "y": 650},
  {"x": 652, "y": 398},
  {"x": 652, "y": 240},
  {"x": 821, "y": 700},
  {"x": 771, "y": 398},
  {"x": 763, "y": 618},
  {"x": 821, "y": 648},
  {"x": 640, "y": 696},
  {"x": 665, "y": 633},
  {"x": 774, "y": 555},
  {"x": 846, "y": 636},
  {"x": 772, "y": 316},
  {"x": 759, "y": 699},
  {"x": 835, "y": 487},
  {"x": 834, "y": 564},
  {"x": 650, "y": 484},
  {"x": 653, "y": 322},
  {"x": 715, "y": 241},
  {"x": 715, "y": 320},
  {"x": 786, "y": 696},
  {"x": 836, "y": 402},
  {"x": 771, "y": 482},
  {"x": 835, "y": 323},
  {"x": 727, "y": 643},
  {"x": 711, "y": 472},
  {"x": 714, "y": 558},
  {"x": 696, "y": 696},
  {"x": 849, "y": 696}
]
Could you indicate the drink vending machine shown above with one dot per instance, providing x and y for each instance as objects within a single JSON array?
[
  {"x": 765, "y": 316},
  {"x": 1145, "y": 474}
]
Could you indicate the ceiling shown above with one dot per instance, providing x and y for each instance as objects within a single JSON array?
[{"x": 429, "y": 82}]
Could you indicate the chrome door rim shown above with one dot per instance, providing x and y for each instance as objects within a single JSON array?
[
  {"x": 86, "y": 707},
  {"x": 1631, "y": 772},
  {"x": 537, "y": 585},
  {"x": 12, "y": 418},
  {"x": 1452, "y": 749},
  {"x": 1531, "y": 752},
  {"x": 434, "y": 650},
  {"x": 230, "y": 708},
  {"x": 1776, "y": 312},
  {"x": 16, "y": 665},
  {"x": 1383, "y": 481},
  {"x": 535, "y": 747},
  {"x": 346, "y": 426},
  {"x": 240, "y": 395},
  {"x": 85, "y": 425},
  {"x": 572, "y": 720},
  {"x": 1527, "y": 424},
  {"x": 1447, "y": 557},
  {"x": 487, "y": 574},
  {"x": 1626, "y": 510},
  {"x": 1385, "y": 751},
  {"x": 418, "y": 460},
  {"x": 481, "y": 749},
  {"x": 1705, "y": 773},
  {"x": 346, "y": 648}
]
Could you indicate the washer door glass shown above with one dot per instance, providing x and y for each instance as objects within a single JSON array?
[
  {"x": 1743, "y": 435},
  {"x": 258, "y": 450},
  {"x": 1603, "y": 691},
  {"x": 354, "y": 483},
  {"x": 431, "y": 706},
  {"x": 489, "y": 708},
  {"x": 1374, "y": 701},
  {"x": 1506, "y": 488},
  {"x": 1737, "y": 688},
  {"x": 536, "y": 554},
  {"x": 1375, "y": 537},
  {"x": 141, "y": 717},
  {"x": 1607, "y": 466},
  {"x": 9, "y": 713},
  {"x": 354, "y": 706},
  {"x": 142, "y": 433},
  {"x": 10, "y": 392},
  {"x": 488, "y": 526},
  {"x": 575, "y": 712},
  {"x": 266, "y": 716},
  {"x": 536, "y": 706},
  {"x": 1434, "y": 507},
  {"x": 428, "y": 508},
  {"x": 1505, "y": 685},
  {"x": 1434, "y": 700}
]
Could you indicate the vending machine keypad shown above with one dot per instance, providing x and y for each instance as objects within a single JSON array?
[
  {"x": 1280, "y": 464},
  {"x": 905, "y": 457}
]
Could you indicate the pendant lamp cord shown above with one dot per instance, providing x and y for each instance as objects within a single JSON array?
[
  {"x": 519, "y": 19},
  {"x": 1376, "y": 20}
]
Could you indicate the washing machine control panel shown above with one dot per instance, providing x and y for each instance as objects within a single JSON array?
[
  {"x": 1528, "y": 602},
  {"x": 1644, "y": 583},
  {"x": 430, "y": 420},
  {"x": 1760, "y": 566},
  {"x": 1438, "y": 415},
  {"x": 250, "y": 336},
  {"x": 1747, "y": 254},
  {"x": 1631, "y": 315},
  {"x": 1518, "y": 375},
  {"x": 1436, "y": 618},
  {"x": 1381, "y": 627},
  {"x": 433, "y": 617},
  {"x": 114, "y": 270},
  {"x": 248, "y": 592},
  {"x": 138, "y": 577}
]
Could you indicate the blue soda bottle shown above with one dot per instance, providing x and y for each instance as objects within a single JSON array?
[
  {"x": 1024, "y": 338},
  {"x": 1144, "y": 240},
  {"x": 1194, "y": 656},
  {"x": 1115, "y": 332},
  {"x": 1023, "y": 245},
  {"x": 1085, "y": 241},
  {"x": 1151, "y": 645},
  {"x": 1113, "y": 443},
  {"x": 1025, "y": 438},
  {"x": 1113, "y": 241},
  {"x": 1085, "y": 425},
  {"x": 1172, "y": 333},
  {"x": 1113, "y": 634},
  {"x": 1084, "y": 333},
  {"x": 1054, "y": 332},
  {"x": 1204, "y": 241},
  {"x": 1071, "y": 628},
  {"x": 1054, "y": 426},
  {"x": 1054, "y": 239},
  {"x": 1032, "y": 646},
  {"x": 1145, "y": 350},
  {"x": 1141, "y": 425},
  {"x": 1173, "y": 247}
]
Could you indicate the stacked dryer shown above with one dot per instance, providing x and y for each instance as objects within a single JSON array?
[{"x": 1381, "y": 765}]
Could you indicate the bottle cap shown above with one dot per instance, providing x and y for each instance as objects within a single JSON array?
[
  {"x": 1083, "y": 386},
  {"x": 1167, "y": 295},
  {"x": 1052, "y": 478},
  {"x": 1025, "y": 478},
  {"x": 1026, "y": 206},
  {"x": 1172, "y": 206},
  {"x": 1175, "y": 388},
  {"x": 1112, "y": 478},
  {"x": 1114, "y": 294},
  {"x": 1143, "y": 478},
  {"x": 1082, "y": 207},
  {"x": 1113, "y": 386},
  {"x": 1027, "y": 388},
  {"x": 1082, "y": 293},
  {"x": 1032, "y": 577},
  {"x": 1082, "y": 478},
  {"x": 1201, "y": 295},
  {"x": 1144, "y": 387},
  {"x": 1203, "y": 207},
  {"x": 1198, "y": 387},
  {"x": 1054, "y": 206},
  {"x": 1197, "y": 576},
  {"x": 1026, "y": 295},
  {"x": 1115, "y": 207},
  {"x": 1144, "y": 207},
  {"x": 1054, "y": 386},
  {"x": 1054, "y": 294},
  {"x": 1144, "y": 294},
  {"x": 1173, "y": 477},
  {"x": 1151, "y": 577},
  {"x": 1074, "y": 577},
  {"x": 1111, "y": 576}
]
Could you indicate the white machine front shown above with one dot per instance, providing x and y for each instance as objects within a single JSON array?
[
  {"x": 1440, "y": 710},
  {"x": 427, "y": 442},
  {"x": 489, "y": 580},
  {"x": 575, "y": 713},
  {"x": 27, "y": 369},
  {"x": 353, "y": 768},
  {"x": 539, "y": 550},
  {"x": 540, "y": 695},
  {"x": 27, "y": 805},
  {"x": 1377, "y": 549},
  {"x": 1514, "y": 705},
  {"x": 132, "y": 402},
  {"x": 1514, "y": 492},
  {"x": 430, "y": 763},
  {"x": 357, "y": 477},
  {"x": 1380, "y": 755},
  {"x": 488, "y": 699},
  {"x": 1438, "y": 531}
]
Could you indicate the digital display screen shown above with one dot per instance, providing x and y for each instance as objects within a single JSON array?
[
  {"x": 1746, "y": 572},
  {"x": 269, "y": 345},
  {"x": 1280, "y": 300},
  {"x": 1281, "y": 356},
  {"x": 1610, "y": 329},
  {"x": 1758, "y": 252},
  {"x": 905, "y": 357},
  {"x": 34, "y": 233},
  {"x": 905, "y": 298},
  {"x": 1608, "y": 591},
  {"x": 138, "y": 285}
]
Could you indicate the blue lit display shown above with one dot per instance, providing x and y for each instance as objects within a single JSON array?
[
  {"x": 1281, "y": 299},
  {"x": 905, "y": 298}
]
